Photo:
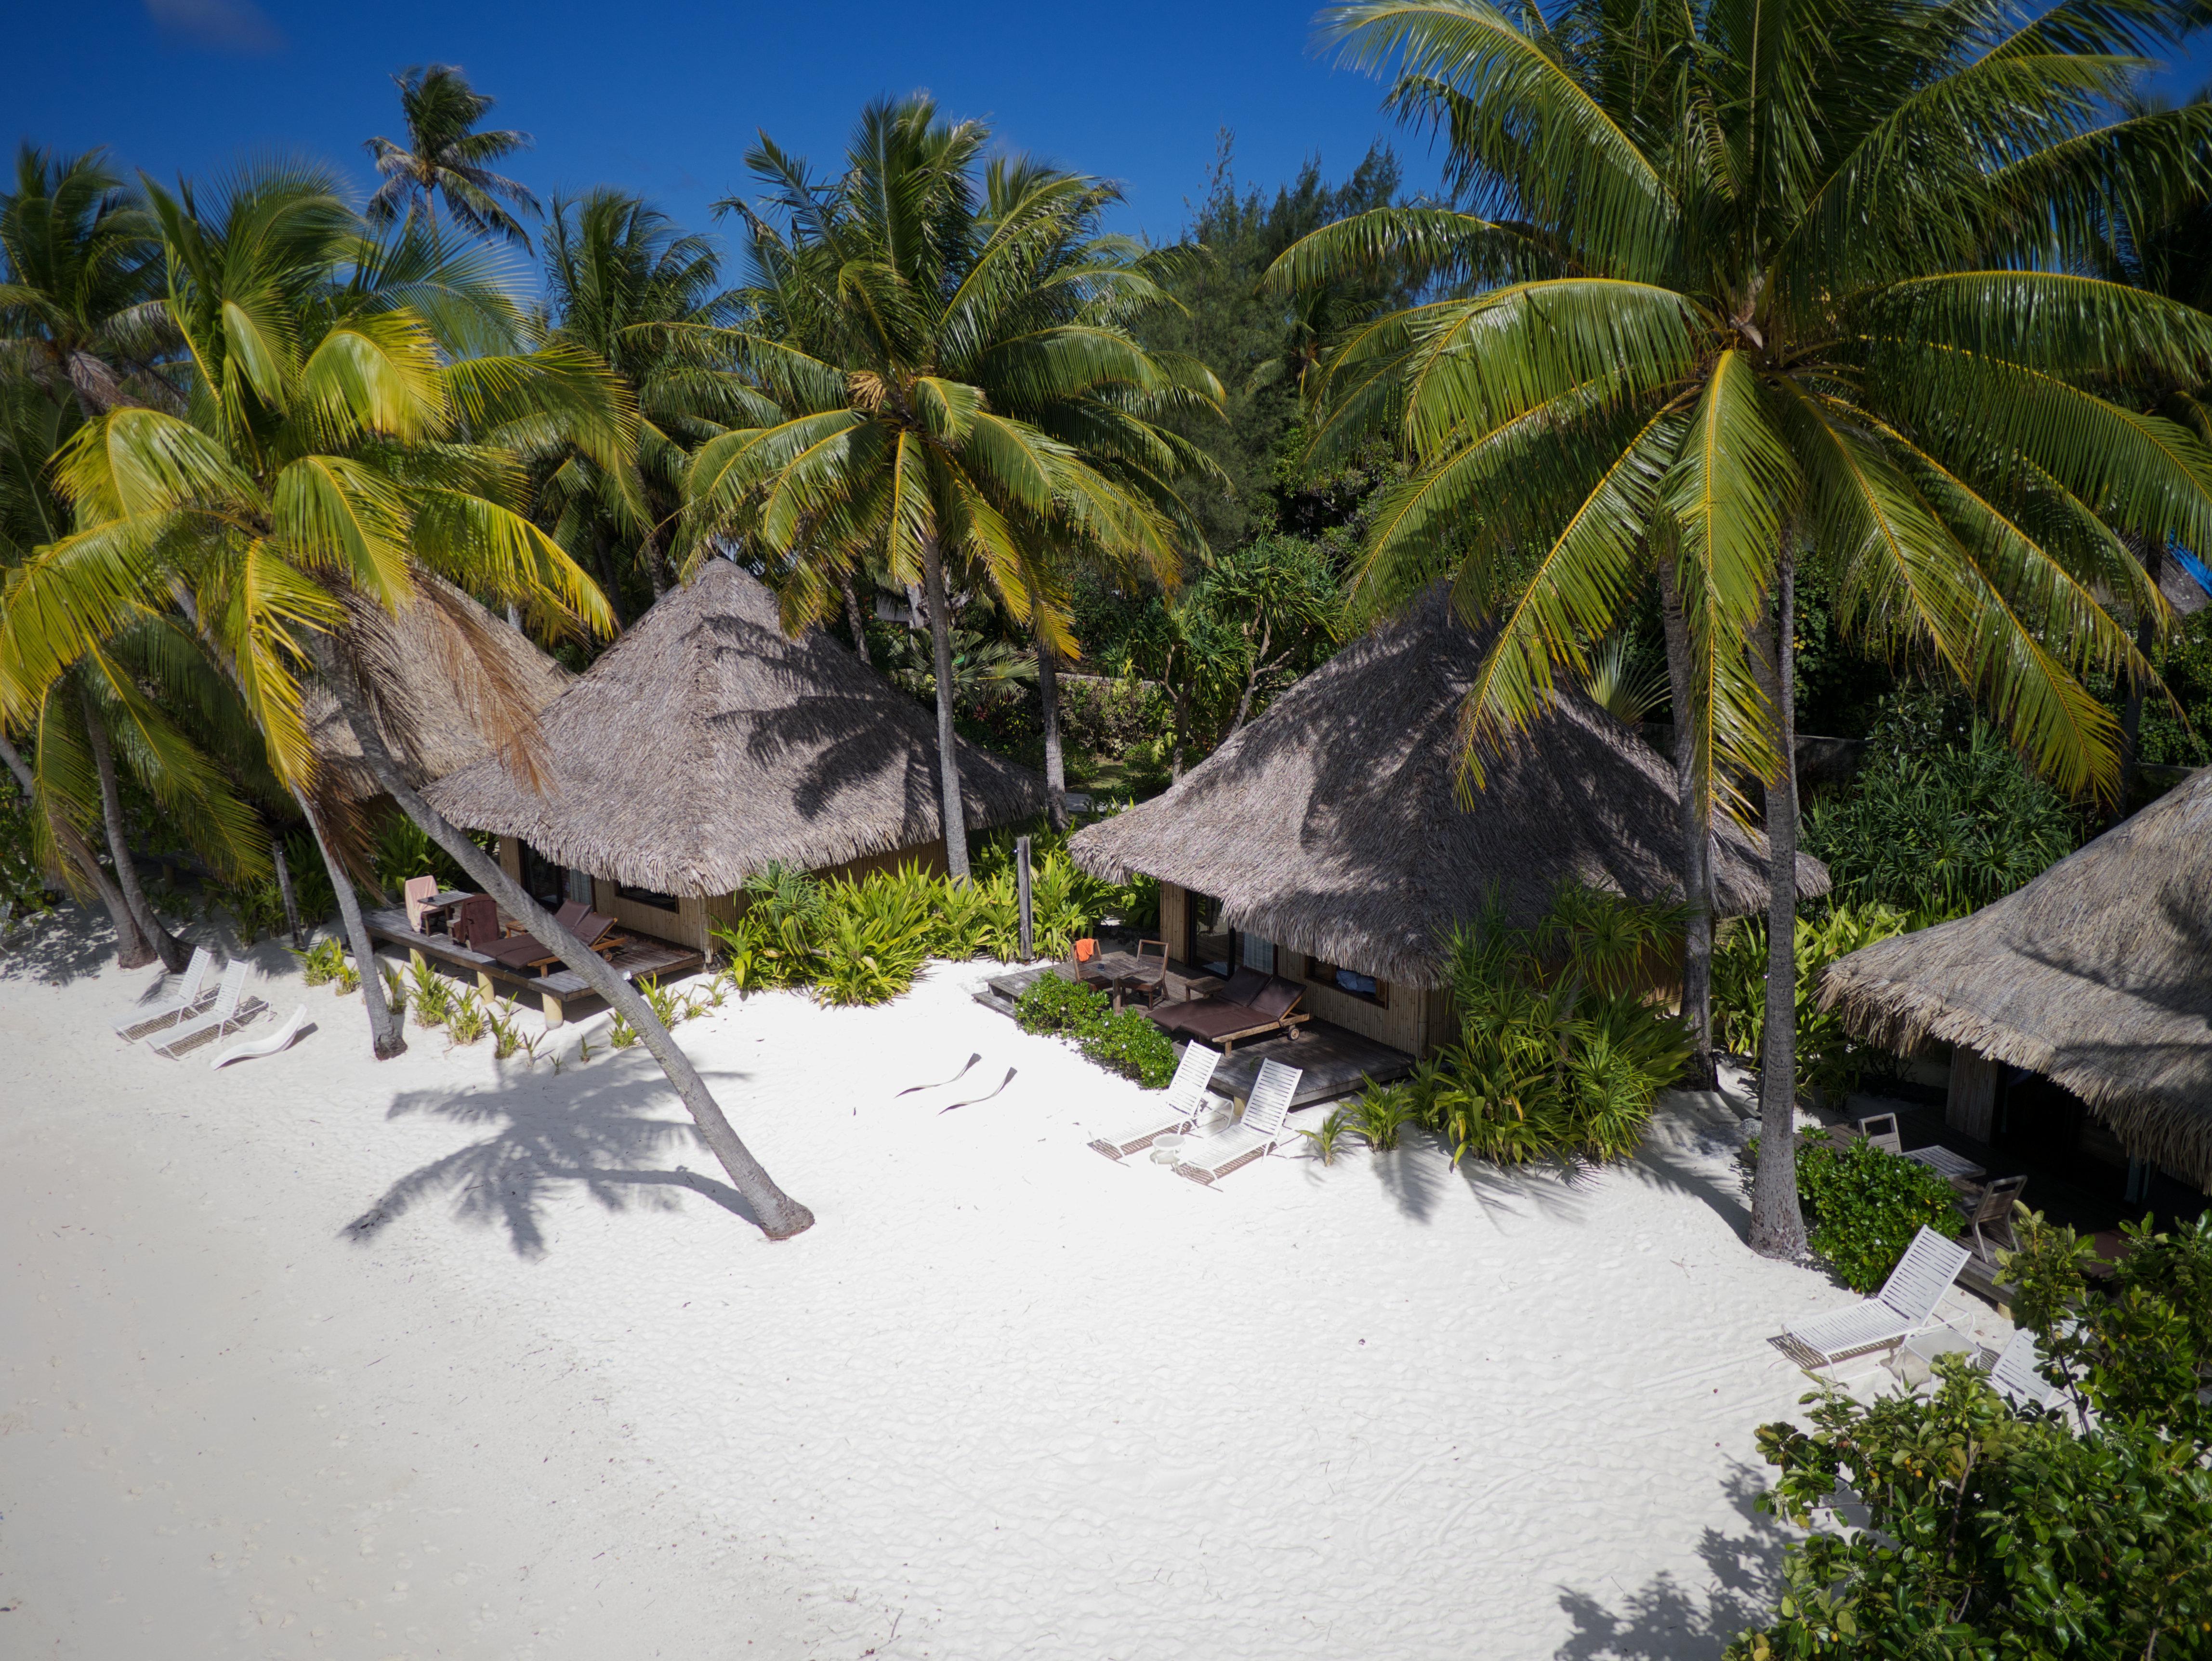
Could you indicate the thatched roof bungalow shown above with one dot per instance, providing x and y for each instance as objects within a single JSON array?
[
  {"x": 1326, "y": 840},
  {"x": 706, "y": 745},
  {"x": 446, "y": 674},
  {"x": 2097, "y": 975}
]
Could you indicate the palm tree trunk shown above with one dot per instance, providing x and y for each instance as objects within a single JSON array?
[
  {"x": 779, "y": 1216},
  {"x": 948, "y": 758},
  {"x": 1694, "y": 808},
  {"x": 852, "y": 618},
  {"x": 131, "y": 951},
  {"x": 385, "y": 1039},
  {"x": 167, "y": 946},
  {"x": 1055, "y": 759},
  {"x": 284, "y": 891},
  {"x": 2152, "y": 558},
  {"x": 1778, "y": 1226}
]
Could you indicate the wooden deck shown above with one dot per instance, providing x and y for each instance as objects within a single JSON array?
[
  {"x": 556, "y": 992},
  {"x": 1333, "y": 1060}
]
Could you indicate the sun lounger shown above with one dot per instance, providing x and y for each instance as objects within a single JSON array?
[
  {"x": 268, "y": 1045},
  {"x": 1906, "y": 1305},
  {"x": 1248, "y": 1006},
  {"x": 1212, "y": 1157},
  {"x": 593, "y": 928},
  {"x": 2015, "y": 1374},
  {"x": 230, "y": 1010},
  {"x": 192, "y": 992},
  {"x": 1179, "y": 1107}
]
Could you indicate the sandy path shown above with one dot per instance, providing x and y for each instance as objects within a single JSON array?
[{"x": 1007, "y": 1400}]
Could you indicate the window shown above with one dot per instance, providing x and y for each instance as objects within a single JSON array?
[
  {"x": 651, "y": 897},
  {"x": 1211, "y": 947},
  {"x": 1350, "y": 981},
  {"x": 543, "y": 880}
]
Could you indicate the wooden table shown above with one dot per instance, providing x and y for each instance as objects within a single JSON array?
[
  {"x": 442, "y": 906},
  {"x": 1121, "y": 970},
  {"x": 1957, "y": 1167}
]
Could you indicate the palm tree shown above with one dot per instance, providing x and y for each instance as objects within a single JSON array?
[
  {"x": 897, "y": 323},
  {"x": 444, "y": 156},
  {"x": 1737, "y": 288},
  {"x": 345, "y": 440},
  {"x": 624, "y": 283}
]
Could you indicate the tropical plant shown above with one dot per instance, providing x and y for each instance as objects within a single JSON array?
[
  {"x": 908, "y": 326},
  {"x": 504, "y": 1019},
  {"x": 1865, "y": 1205},
  {"x": 466, "y": 1021},
  {"x": 1827, "y": 1057},
  {"x": 1380, "y": 1114},
  {"x": 429, "y": 994},
  {"x": 320, "y": 963},
  {"x": 359, "y": 408},
  {"x": 443, "y": 157},
  {"x": 1738, "y": 288},
  {"x": 1328, "y": 1136}
]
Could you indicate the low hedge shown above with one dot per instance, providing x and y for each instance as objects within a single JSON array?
[
  {"x": 1864, "y": 1206},
  {"x": 1121, "y": 1040}
]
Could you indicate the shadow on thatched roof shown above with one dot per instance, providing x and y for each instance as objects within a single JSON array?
[
  {"x": 1332, "y": 824},
  {"x": 707, "y": 745},
  {"x": 448, "y": 679},
  {"x": 2097, "y": 975}
]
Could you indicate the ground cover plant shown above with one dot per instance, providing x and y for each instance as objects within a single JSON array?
[
  {"x": 1123, "y": 1041},
  {"x": 2079, "y": 1533},
  {"x": 1563, "y": 1044}
]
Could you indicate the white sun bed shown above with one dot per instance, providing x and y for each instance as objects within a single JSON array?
[
  {"x": 1905, "y": 1303},
  {"x": 2015, "y": 1374},
  {"x": 192, "y": 992},
  {"x": 267, "y": 1045},
  {"x": 231, "y": 1009},
  {"x": 1180, "y": 1106},
  {"x": 1212, "y": 1157}
]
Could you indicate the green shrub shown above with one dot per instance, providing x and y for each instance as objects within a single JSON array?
[
  {"x": 1128, "y": 1042},
  {"x": 1332, "y": 1131},
  {"x": 428, "y": 994},
  {"x": 23, "y": 882},
  {"x": 1863, "y": 1205},
  {"x": 1381, "y": 1112},
  {"x": 466, "y": 1021},
  {"x": 1561, "y": 1051},
  {"x": 1827, "y": 1059},
  {"x": 403, "y": 850},
  {"x": 1055, "y": 1004},
  {"x": 320, "y": 963}
]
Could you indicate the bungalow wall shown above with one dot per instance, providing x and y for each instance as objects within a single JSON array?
[{"x": 1413, "y": 1019}]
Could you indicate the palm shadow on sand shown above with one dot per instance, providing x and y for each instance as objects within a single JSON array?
[
  {"x": 610, "y": 1127},
  {"x": 1665, "y": 1620}
]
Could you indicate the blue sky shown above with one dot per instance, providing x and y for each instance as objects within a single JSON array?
[{"x": 663, "y": 97}]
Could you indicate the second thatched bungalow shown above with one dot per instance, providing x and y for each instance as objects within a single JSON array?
[
  {"x": 1326, "y": 841},
  {"x": 707, "y": 745}
]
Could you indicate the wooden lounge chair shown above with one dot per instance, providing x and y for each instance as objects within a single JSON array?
[
  {"x": 1906, "y": 1305},
  {"x": 1183, "y": 1104},
  {"x": 593, "y": 928},
  {"x": 1988, "y": 1216},
  {"x": 192, "y": 992},
  {"x": 1254, "y": 1136},
  {"x": 267, "y": 1045},
  {"x": 2017, "y": 1375},
  {"x": 231, "y": 1009},
  {"x": 1249, "y": 1004}
]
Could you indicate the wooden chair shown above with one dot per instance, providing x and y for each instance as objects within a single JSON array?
[
  {"x": 1988, "y": 1214},
  {"x": 1880, "y": 1129},
  {"x": 416, "y": 896},
  {"x": 1150, "y": 981}
]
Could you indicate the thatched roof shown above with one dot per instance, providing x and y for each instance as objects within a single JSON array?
[
  {"x": 2097, "y": 975},
  {"x": 448, "y": 677},
  {"x": 1331, "y": 825},
  {"x": 707, "y": 745}
]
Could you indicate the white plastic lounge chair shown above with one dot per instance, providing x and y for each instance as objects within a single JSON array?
[
  {"x": 231, "y": 1009},
  {"x": 2015, "y": 1375},
  {"x": 1905, "y": 1303},
  {"x": 192, "y": 992},
  {"x": 268, "y": 1045},
  {"x": 1212, "y": 1157},
  {"x": 1182, "y": 1105}
]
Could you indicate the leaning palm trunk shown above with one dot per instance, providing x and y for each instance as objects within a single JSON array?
[
  {"x": 779, "y": 1216},
  {"x": 1777, "y": 1226},
  {"x": 131, "y": 951},
  {"x": 948, "y": 758},
  {"x": 1055, "y": 761},
  {"x": 1694, "y": 808},
  {"x": 385, "y": 1040},
  {"x": 167, "y": 946}
]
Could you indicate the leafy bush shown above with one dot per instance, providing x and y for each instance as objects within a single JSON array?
[
  {"x": 1381, "y": 1112},
  {"x": 1560, "y": 1052},
  {"x": 1827, "y": 1059},
  {"x": 1864, "y": 1206},
  {"x": 1936, "y": 830},
  {"x": 23, "y": 882},
  {"x": 320, "y": 963},
  {"x": 403, "y": 850},
  {"x": 466, "y": 1022},
  {"x": 256, "y": 909},
  {"x": 428, "y": 994},
  {"x": 1993, "y": 1530},
  {"x": 1121, "y": 1041}
]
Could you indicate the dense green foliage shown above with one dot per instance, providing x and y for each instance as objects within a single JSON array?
[
  {"x": 1936, "y": 830},
  {"x": 1994, "y": 1531},
  {"x": 1827, "y": 1059},
  {"x": 1562, "y": 1047},
  {"x": 1864, "y": 1205},
  {"x": 1122, "y": 1041}
]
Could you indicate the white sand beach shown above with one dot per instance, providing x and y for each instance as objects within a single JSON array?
[{"x": 447, "y": 1357}]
